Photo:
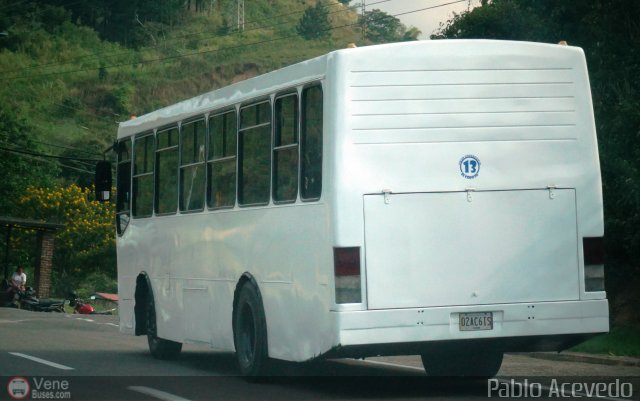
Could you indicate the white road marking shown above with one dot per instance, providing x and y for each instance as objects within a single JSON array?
[
  {"x": 85, "y": 319},
  {"x": 15, "y": 321},
  {"x": 161, "y": 395},
  {"x": 42, "y": 361},
  {"x": 110, "y": 324},
  {"x": 395, "y": 365}
]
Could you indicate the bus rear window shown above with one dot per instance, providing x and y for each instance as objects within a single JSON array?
[{"x": 311, "y": 144}]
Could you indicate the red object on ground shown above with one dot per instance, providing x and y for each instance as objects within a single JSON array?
[{"x": 85, "y": 309}]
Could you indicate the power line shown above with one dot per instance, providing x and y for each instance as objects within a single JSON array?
[
  {"x": 85, "y": 111},
  {"x": 169, "y": 58},
  {"x": 127, "y": 52},
  {"x": 81, "y": 109},
  {"x": 27, "y": 152},
  {"x": 66, "y": 147},
  {"x": 57, "y": 163}
]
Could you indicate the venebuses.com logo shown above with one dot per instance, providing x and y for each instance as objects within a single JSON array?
[{"x": 20, "y": 388}]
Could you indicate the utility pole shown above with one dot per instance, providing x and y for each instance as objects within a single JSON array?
[
  {"x": 240, "y": 6},
  {"x": 364, "y": 20}
]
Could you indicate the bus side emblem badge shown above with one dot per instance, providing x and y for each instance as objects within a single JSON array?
[{"x": 469, "y": 166}]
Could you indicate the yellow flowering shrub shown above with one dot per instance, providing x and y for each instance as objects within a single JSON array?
[{"x": 86, "y": 244}]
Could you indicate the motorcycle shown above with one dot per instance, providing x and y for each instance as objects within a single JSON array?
[
  {"x": 27, "y": 300},
  {"x": 84, "y": 308}
]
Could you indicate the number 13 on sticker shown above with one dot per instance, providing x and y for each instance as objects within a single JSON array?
[{"x": 469, "y": 166}]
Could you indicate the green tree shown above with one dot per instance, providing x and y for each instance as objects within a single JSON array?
[
  {"x": 510, "y": 19},
  {"x": 19, "y": 170},
  {"x": 314, "y": 23},
  {"x": 381, "y": 27},
  {"x": 411, "y": 34}
]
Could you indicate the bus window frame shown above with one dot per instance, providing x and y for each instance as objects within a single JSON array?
[
  {"x": 151, "y": 173},
  {"x": 280, "y": 95},
  {"x": 119, "y": 212},
  {"x": 250, "y": 103},
  {"x": 192, "y": 120},
  {"x": 235, "y": 109},
  {"x": 320, "y": 84},
  {"x": 156, "y": 181}
]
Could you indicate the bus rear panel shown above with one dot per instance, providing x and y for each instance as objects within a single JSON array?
[{"x": 467, "y": 176}]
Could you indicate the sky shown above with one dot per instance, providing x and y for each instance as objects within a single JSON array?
[{"x": 427, "y": 21}]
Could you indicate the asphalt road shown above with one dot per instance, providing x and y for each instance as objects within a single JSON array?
[{"x": 86, "y": 358}]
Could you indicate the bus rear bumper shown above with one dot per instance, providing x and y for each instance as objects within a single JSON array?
[{"x": 542, "y": 326}]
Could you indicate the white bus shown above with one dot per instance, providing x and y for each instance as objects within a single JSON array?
[{"x": 438, "y": 198}]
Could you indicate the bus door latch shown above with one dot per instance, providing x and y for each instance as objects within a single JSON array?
[
  {"x": 552, "y": 191},
  {"x": 469, "y": 194},
  {"x": 386, "y": 193}
]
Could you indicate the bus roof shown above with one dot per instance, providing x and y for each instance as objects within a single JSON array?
[{"x": 303, "y": 72}]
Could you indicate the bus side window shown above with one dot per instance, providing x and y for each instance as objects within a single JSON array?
[
  {"x": 255, "y": 154},
  {"x": 192, "y": 155},
  {"x": 142, "y": 202},
  {"x": 221, "y": 174},
  {"x": 123, "y": 185},
  {"x": 285, "y": 150},
  {"x": 311, "y": 144},
  {"x": 166, "y": 195}
]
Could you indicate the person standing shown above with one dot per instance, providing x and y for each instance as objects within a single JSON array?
[{"x": 19, "y": 279}]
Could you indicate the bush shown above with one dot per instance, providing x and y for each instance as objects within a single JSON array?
[{"x": 314, "y": 23}]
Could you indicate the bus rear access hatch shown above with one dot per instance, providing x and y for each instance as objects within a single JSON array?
[{"x": 471, "y": 248}]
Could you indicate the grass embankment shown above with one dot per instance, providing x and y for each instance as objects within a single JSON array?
[
  {"x": 620, "y": 341},
  {"x": 55, "y": 82}
]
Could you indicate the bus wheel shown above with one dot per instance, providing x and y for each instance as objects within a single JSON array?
[
  {"x": 250, "y": 332},
  {"x": 464, "y": 362},
  {"x": 159, "y": 347}
]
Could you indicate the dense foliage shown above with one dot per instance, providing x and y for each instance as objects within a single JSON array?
[
  {"x": 380, "y": 27},
  {"x": 119, "y": 20},
  {"x": 608, "y": 31},
  {"x": 19, "y": 169},
  {"x": 314, "y": 23}
]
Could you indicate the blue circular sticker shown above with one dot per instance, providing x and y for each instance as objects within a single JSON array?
[{"x": 469, "y": 166}]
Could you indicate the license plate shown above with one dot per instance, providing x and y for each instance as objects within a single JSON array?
[{"x": 476, "y": 321}]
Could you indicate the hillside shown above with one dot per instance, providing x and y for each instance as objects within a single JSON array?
[{"x": 70, "y": 86}]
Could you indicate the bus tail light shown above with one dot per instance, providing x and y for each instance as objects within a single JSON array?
[
  {"x": 346, "y": 262},
  {"x": 593, "y": 249}
]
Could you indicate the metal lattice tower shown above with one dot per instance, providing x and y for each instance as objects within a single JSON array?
[
  {"x": 364, "y": 20},
  {"x": 240, "y": 6}
]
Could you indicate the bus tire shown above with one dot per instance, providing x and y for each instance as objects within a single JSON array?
[
  {"x": 159, "y": 347},
  {"x": 250, "y": 333},
  {"x": 473, "y": 362}
]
